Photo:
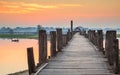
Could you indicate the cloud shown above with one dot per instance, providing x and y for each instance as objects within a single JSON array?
[
  {"x": 72, "y": 5},
  {"x": 23, "y": 7}
]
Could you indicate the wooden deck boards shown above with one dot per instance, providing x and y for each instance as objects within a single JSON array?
[{"x": 80, "y": 57}]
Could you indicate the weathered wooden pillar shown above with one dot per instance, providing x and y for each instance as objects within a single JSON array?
[
  {"x": 53, "y": 43},
  {"x": 42, "y": 47},
  {"x": 64, "y": 39},
  {"x": 93, "y": 36},
  {"x": 31, "y": 62},
  {"x": 71, "y": 26},
  {"x": 89, "y": 34},
  {"x": 66, "y": 42},
  {"x": 100, "y": 40},
  {"x": 59, "y": 39},
  {"x": 68, "y": 36},
  {"x": 116, "y": 56},
  {"x": 110, "y": 37},
  {"x": 95, "y": 39}
]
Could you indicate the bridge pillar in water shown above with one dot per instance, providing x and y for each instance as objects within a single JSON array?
[
  {"x": 100, "y": 40},
  {"x": 59, "y": 39},
  {"x": 116, "y": 56},
  {"x": 71, "y": 26},
  {"x": 42, "y": 47},
  {"x": 53, "y": 43},
  {"x": 31, "y": 62},
  {"x": 110, "y": 37}
]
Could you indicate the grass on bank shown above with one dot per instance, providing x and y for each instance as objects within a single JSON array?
[{"x": 31, "y": 36}]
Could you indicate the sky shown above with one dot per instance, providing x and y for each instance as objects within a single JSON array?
[{"x": 86, "y": 13}]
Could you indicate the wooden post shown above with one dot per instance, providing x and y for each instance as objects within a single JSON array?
[
  {"x": 59, "y": 39},
  {"x": 31, "y": 62},
  {"x": 64, "y": 40},
  {"x": 100, "y": 40},
  {"x": 53, "y": 43},
  {"x": 69, "y": 35},
  {"x": 110, "y": 37},
  {"x": 42, "y": 47},
  {"x": 71, "y": 26},
  {"x": 116, "y": 57}
]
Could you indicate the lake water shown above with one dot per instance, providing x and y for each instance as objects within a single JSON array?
[{"x": 13, "y": 55}]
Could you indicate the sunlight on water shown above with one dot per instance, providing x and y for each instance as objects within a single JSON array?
[
  {"x": 104, "y": 43},
  {"x": 13, "y": 55}
]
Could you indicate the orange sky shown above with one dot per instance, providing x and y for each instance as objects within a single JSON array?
[{"x": 59, "y": 12}]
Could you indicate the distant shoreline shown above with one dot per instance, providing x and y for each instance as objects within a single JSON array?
[
  {"x": 21, "y": 36},
  {"x": 25, "y": 36},
  {"x": 9, "y": 36}
]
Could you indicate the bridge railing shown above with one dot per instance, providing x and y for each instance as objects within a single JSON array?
[
  {"x": 57, "y": 41},
  {"x": 111, "y": 50}
]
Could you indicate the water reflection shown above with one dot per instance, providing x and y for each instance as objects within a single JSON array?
[{"x": 13, "y": 55}]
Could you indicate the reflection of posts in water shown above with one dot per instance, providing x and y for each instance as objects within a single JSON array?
[
  {"x": 53, "y": 43},
  {"x": 31, "y": 62},
  {"x": 42, "y": 47}
]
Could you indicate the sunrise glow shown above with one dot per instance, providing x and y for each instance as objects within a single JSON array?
[{"x": 47, "y": 12}]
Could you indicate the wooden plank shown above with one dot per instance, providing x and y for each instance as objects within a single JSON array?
[{"x": 80, "y": 57}]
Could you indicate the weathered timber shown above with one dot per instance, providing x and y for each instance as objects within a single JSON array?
[
  {"x": 78, "y": 58},
  {"x": 59, "y": 39},
  {"x": 53, "y": 43},
  {"x": 116, "y": 56},
  {"x": 68, "y": 36},
  {"x": 31, "y": 62},
  {"x": 110, "y": 37},
  {"x": 100, "y": 40},
  {"x": 71, "y": 26},
  {"x": 42, "y": 47},
  {"x": 64, "y": 39}
]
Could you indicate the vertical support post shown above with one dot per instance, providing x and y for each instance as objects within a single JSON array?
[
  {"x": 42, "y": 47},
  {"x": 31, "y": 62},
  {"x": 116, "y": 57},
  {"x": 100, "y": 40},
  {"x": 53, "y": 43},
  {"x": 110, "y": 37},
  {"x": 64, "y": 40},
  {"x": 71, "y": 26},
  {"x": 59, "y": 39},
  {"x": 69, "y": 36}
]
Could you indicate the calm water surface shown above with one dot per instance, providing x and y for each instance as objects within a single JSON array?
[{"x": 13, "y": 55}]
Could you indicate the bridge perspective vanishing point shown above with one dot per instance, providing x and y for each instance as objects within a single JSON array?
[{"x": 76, "y": 53}]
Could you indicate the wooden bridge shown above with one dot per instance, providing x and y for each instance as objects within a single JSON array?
[{"x": 78, "y": 53}]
